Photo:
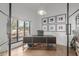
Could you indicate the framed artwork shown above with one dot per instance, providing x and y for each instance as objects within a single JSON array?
[
  {"x": 77, "y": 19},
  {"x": 52, "y": 28},
  {"x": 51, "y": 20},
  {"x": 44, "y": 27},
  {"x": 61, "y": 27},
  {"x": 44, "y": 21},
  {"x": 61, "y": 18}
]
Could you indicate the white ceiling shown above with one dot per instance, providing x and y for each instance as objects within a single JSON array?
[
  {"x": 35, "y": 6},
  {"x": 28, "y": 9}
]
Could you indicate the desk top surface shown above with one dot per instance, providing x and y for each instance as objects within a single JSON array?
[{"x": 40, "y": 36}]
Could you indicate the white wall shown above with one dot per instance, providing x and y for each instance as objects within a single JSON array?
[
  {"x": 23, "y": 12},
  {"x": 3, "y": 26},
  {"x": 53, "y": 10},
  {"x": 56, "y": 9},
  {"x": 29, "y": 12},
  {"x": 72, "y": 20}
]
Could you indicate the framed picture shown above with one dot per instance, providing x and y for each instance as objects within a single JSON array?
[
  {"x": 44, "y": 27},
  {"x": 77, "y": 19},
  {"x": 52, "y": 28},
  {"x": 61, "y": 27},
  {"x": 51, "y": 20},
  {"x": 61, "y": 18},
  {"x": 44, "y": 21}
]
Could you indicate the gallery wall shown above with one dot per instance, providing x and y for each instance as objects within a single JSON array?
[
  {"x": 57, "y": 9},
  {"x": 29, "y": 12},
  {"x": 53, "y": 10}
]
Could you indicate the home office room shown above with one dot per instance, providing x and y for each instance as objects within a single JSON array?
[{"x": 39, "y": 29}]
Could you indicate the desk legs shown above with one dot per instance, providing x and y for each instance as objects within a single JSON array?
[{"x": 23, "y": 46}]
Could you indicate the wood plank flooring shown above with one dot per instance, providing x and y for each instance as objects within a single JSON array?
[{"x": 60, "y": 51}]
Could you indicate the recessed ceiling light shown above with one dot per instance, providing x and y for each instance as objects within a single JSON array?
[{"x": 41, "y": 12}]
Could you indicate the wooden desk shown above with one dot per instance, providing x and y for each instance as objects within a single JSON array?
[{"x": 39, "y": 39}]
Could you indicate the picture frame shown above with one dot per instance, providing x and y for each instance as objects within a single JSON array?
[
  {"x": 61, "y": 18},
  {"x": 77, "y": 19},
  {"x": 61, "y": 27},
  {"x": 52, "y": 27},
  {"x": 44, "y": 20},
  {"x": 44, "y": 27},
  {"x": 52, "y": 20}
]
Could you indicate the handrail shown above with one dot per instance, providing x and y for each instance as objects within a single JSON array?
[
  {"x": 3, "y": 12},
  {"x": 74, "y": 12},
  {"x": 3, "y": 43}
]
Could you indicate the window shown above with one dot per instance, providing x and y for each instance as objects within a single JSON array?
[
  {"x": 13, "y": 30},
  {"x": 19, "y": 28}
]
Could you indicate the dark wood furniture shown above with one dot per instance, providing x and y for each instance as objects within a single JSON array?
[
  {"x": 47, "y": 41},
  {"x": 77, "y": 46}
]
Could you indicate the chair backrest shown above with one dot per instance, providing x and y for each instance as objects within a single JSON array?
[{"x": 40, "y": 32}]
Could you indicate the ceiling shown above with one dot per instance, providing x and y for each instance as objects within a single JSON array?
[
  {"x": 26, "y": 9},
  {"x": 35, "y": 6}
]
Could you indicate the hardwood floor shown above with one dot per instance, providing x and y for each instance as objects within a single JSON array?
[{"x": 60, "y": 51}]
